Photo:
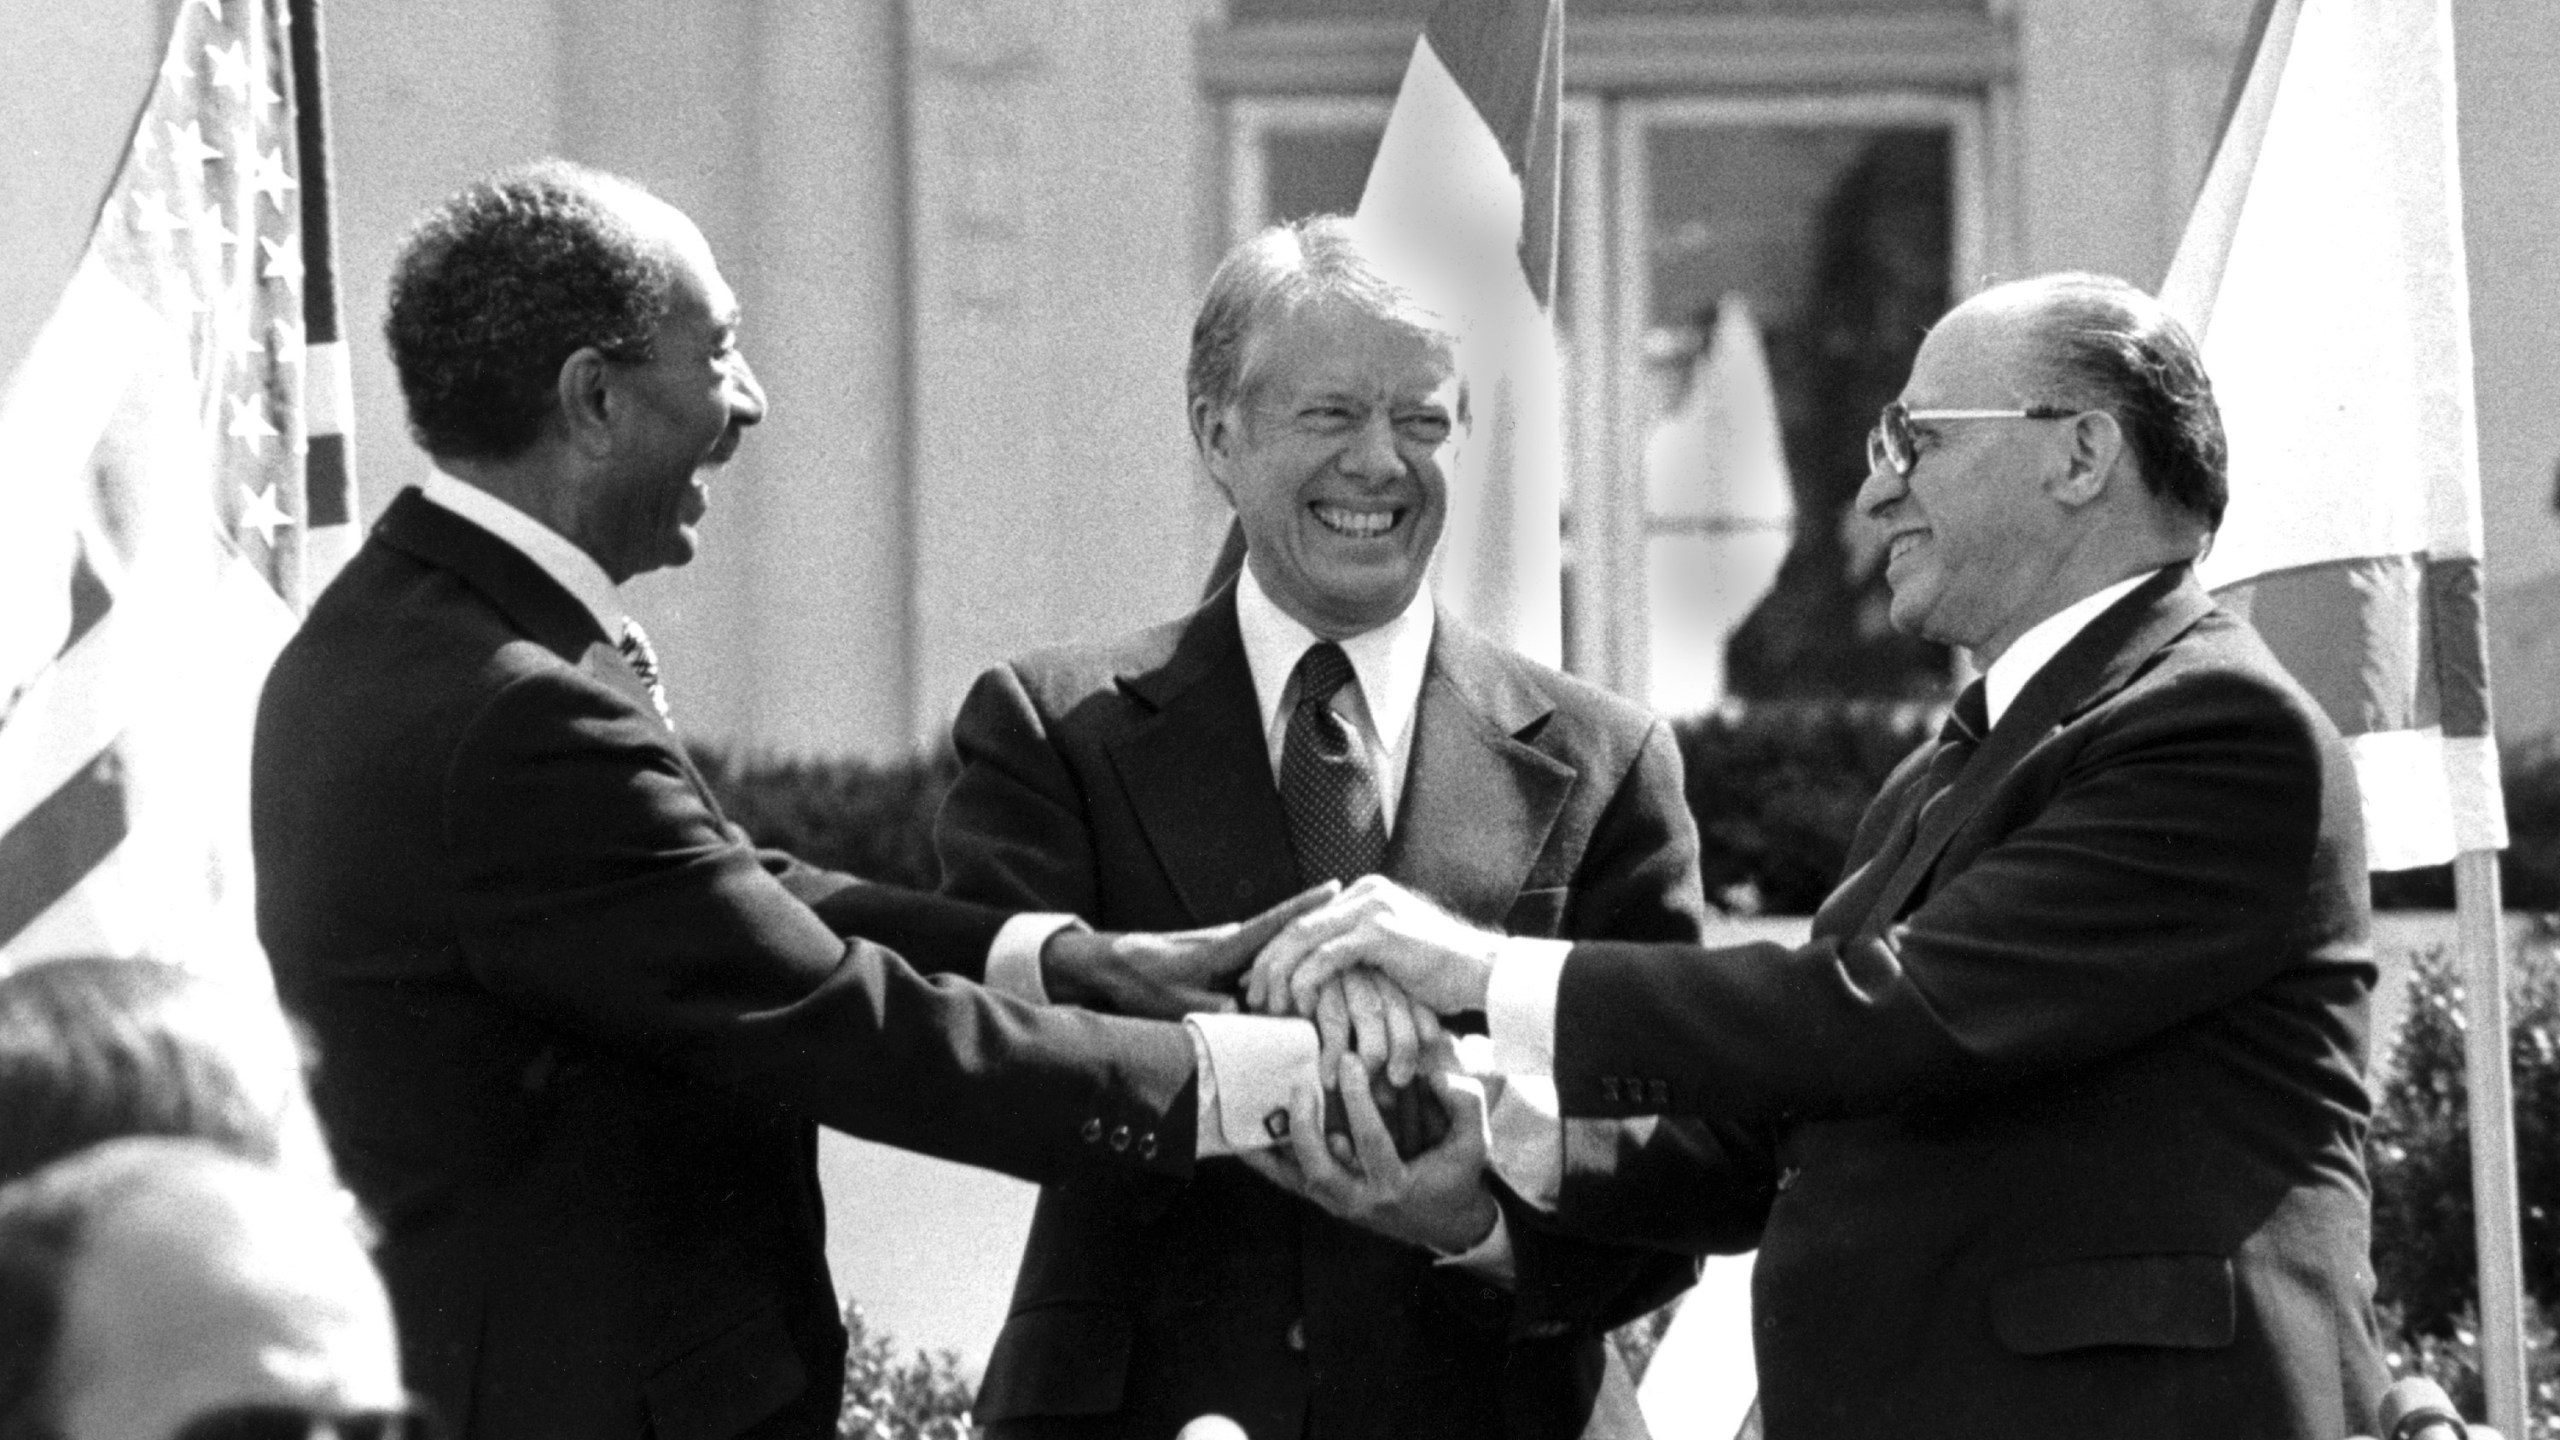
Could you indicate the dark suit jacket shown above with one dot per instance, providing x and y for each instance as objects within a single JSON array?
[
  {"x": 574, "y": 1032},
  {"x": 1130, "y": 782},
  {"x": 2075, "y": 1147}
]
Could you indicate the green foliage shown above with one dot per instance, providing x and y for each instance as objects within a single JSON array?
[
  {"x": 2424, "y": 1247},
  {"x": 924, "y": 1398},
  {"x": 872, "y": 818},
  {"x": 1778, "y": 788},
  {"x": 2420, "y": 1151},
  {"x": 2452, "y": 1360}
]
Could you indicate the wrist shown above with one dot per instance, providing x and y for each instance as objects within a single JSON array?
[
  {"x": 1067, "y": 963},
  {"x": 1468, "y": 1225}
]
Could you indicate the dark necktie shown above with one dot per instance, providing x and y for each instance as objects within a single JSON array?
[
  {"x": 1336, "y": 824},
  {"x": 635, "y": 647},
  {"x": 1958, "y": 738},
  {"x": 1339, "y": 829}
]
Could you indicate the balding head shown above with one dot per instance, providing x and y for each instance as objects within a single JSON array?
[
  {"x": 146, "y": 1283},
  {"x": 2097, "y": 343},
  {"x": 2056, "y": 436}
]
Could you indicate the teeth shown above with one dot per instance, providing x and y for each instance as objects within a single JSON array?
[
  {"x": 1358, "y": 524},
  {"x": 1903, "y": 542}
]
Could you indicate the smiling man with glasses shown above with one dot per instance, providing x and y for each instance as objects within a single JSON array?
[{"x": 2063, "y": 1102}]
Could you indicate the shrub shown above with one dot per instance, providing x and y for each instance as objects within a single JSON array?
[
  {"x": 872, "y": 818},
  {"x": 2420, "y": 1151},
  {"x": 924, "y": 1398},
  {"x": 1777, "y": 790}
]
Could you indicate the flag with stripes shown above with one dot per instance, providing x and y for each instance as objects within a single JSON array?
[
  {"x": 2323, "y": 271},
  {"x": 1464, "y": 187},
  {"x": 177, "y": 488}
]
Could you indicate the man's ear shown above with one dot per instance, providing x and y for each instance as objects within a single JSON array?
[
  {"x": 586, "y": 401},
  {"x": 2097, "y": 445},
  {"x": 1213, "y": 434}
]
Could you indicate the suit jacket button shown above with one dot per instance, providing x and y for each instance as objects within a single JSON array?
[
  {"x": 1147, "y": 1146},
  {"x": 1661, "y": 1092},
  {"x": 1297, "y": 1336},
  {"x": 1092, "y": 1130},
  {"x": 1609, "y": 1088},
  {"x": 1120, "y": 1138}
]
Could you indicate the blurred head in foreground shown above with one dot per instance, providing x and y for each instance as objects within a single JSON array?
[
  {"x": 160, "y": 1289},
  {"x": 95, "y": 1049}
]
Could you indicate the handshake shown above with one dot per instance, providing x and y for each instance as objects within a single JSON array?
[{"x": 1374, "y": 966}]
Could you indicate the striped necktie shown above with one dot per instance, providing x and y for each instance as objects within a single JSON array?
[{"x": 1336, "y": 824}]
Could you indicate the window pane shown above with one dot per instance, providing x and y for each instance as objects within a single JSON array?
[
  {"x": 1311, "y": 172},
  {"x": 1835, "y": 241}
]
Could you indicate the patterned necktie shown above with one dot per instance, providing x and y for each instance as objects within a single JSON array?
[
  {"x": 635, "y": 647},
  {"x": 1336, "y": 824}
]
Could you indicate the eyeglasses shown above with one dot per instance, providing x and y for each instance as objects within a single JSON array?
[
  {"x": 297, "y": 1422},
  {"x": 1894, "y": 445}
]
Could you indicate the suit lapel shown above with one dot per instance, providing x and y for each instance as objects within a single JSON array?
[
  {"x": 1479, "y": 800},
  {"x": 1198, "y": 773},
  {"x": 2098, "y": 662},
  {"x": 524, "y": 592}
]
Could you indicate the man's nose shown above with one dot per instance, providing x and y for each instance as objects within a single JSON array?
[
  {"x": 746, "y": 396},
  {"x": 1881, "y": 488},
  {"x": 1371, "y": 453}
]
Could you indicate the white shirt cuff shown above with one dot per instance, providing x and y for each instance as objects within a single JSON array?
[
  {"x": 1013, "y": 962},
  {"x": 1520, "y": 1004},
  {"x": 1249, "y": 1064}
]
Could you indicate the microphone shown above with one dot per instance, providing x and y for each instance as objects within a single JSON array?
[{"x": 2418, "y": 1409}]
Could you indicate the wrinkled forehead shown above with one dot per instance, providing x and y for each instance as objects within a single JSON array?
[
  {"x": 1332, "y": 342},
  {"x": 695, "y": 275}
]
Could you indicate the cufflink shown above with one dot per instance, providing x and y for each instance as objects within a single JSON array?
[{"x": 1276, "y": 1124}]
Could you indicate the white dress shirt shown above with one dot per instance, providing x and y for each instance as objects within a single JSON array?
[
  {"x": 1520, "y": 998},
  {"x": 1279, "y": 1050}
]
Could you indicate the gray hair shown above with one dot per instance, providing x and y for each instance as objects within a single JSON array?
[
  {"x": 2107, "y": 345},
  {"x": 1282, "y": 271}
]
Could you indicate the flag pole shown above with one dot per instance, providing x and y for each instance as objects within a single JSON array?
[
  {"x": 329, "y": 465},
  {"x": 2493, "y": 1139}
]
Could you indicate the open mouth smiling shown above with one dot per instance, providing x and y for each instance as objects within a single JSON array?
[{"x": 1356, "y": 524}]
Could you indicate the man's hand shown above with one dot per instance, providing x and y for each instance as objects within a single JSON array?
[
  {"x": 1164, "y": 975},
  {"x": 1360, "y": 1012},
  {"x": 1437, "y": 1199},
  {"x": 1436, "y": 958}
]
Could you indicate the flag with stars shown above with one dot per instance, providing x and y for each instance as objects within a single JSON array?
[{"x": 178, "y": 487}]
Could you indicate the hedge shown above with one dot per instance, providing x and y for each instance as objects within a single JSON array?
[{"x": 1777, "y": 790}]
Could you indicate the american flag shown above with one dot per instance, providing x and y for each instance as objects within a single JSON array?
[{"x": 178, "y": 487}]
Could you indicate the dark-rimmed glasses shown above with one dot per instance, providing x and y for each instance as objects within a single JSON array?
[{"x": 1894, "y": 445}]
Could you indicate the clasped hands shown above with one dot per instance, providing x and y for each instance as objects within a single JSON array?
[{"x": 1341, "y": 957}]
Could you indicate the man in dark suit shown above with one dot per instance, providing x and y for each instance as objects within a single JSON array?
[
  {"x": 574, "y": 1031},
  {"x": 1316, "y": 719},
  {"x": 2067, "y": 1089}
]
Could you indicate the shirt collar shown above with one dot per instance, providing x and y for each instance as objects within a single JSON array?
[
  {"x": 2019, "y": 663},
  {"x": 572, "y": 568},
  {"x": 1388, "y": 661}
]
